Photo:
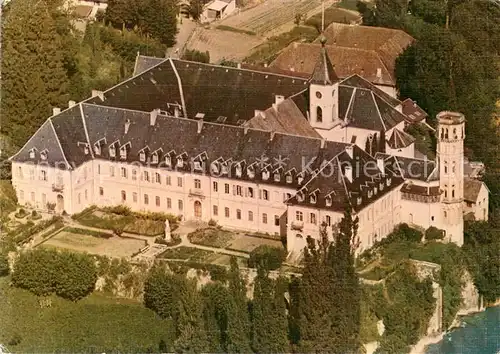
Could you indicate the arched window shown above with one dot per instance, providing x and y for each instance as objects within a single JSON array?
[
  {"x": 124, "y": 196},
  {"x": 319, "y": 115},
  {"x": 453, "y": 193}
]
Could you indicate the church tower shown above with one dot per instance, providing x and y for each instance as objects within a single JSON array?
[
  {"x": 450, "y": 150},
  {"x": 323, "y": 93}
]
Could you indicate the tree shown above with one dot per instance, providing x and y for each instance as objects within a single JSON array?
[
  {"x": 159, "y": 20},
  {"x": 381, "y": 142},
  {"x": 162, "y": 292},
  {"x": 238, "y": 321},
  {"x": 269, "y": 325},
  {"x": 374, "y": 145},
  {"x": 215, "y": 315},
  {"x": 33, "y": 73}
]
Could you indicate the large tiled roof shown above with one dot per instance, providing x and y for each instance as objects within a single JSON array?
[
  {"x": 302, "y": 58},
  {"x": 284, "y": 117},
  {"x": 413, "y": 111},
  {"x": 223, "y": 94},
  {"x": 412, "y": 168},
  {"x": 472, "y": 187},
  {"x": 388, "y": 43}
]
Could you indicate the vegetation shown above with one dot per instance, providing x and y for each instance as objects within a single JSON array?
[
  {"x": 266, "y": 256},
  {"x": 333, "y": 14},
  {"x": 186, "y": 253},
  {"x": 433, "y": 233},
  {"x": 24, "y": 232},
  {"x": 75, "y": 230},
  {"x": 96, "y": 324},
  {"x": 39, "y": 271},
  {"x": 196, "y": 55},
  {"x": 212, "y": 237}
]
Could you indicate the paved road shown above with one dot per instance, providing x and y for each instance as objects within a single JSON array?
[{"x": 186, "y": 28}]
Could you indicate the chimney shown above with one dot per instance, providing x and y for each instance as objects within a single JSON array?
[
  {"x": 348, "y": 173},
  {"x": 245, "y": 130},
  {"x": 127, "y": 125},
  {"x": 272, "y": 136},
  {"x": 292, "y": 69},
  {"x": 257, "y": 112},
  {"x": 323, "y": 143},
  {"x": 56, "y": 110},
  {"x": 200, "y": 125},
  {"x": 152, "y": 116},
  {"x": 379, "y": 73},
  {"x": 350, "y": 151},
  {"x": 71, "y": 103},
  {"x": 177, "y": 112},
  {"x": 278, "y": 99},
  {"x": 97, "y": 93},
  {"x": 295, "y": 45},
  {"x": 381, "y": 165},
  {"x": 239, "y": 65},
  {"x": 265, "y": 65}
]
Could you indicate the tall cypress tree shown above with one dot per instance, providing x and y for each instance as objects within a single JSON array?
[
  {"x": 346, "y": 319},
  {"x": 374, "y": 145},
  {"x": 215, "y": 296},
  {"x": 381, "y": 142},
  {"x": 33, "y": 75},
  {"x": 238, "y": 321}
]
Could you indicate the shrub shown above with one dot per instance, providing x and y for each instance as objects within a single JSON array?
[
  {"x": 212, "y": 223},
  {"x": 403, "y": 232},
  {"x": 433, "y": 233},
  {"x": 162, "y": 291},
  {"x": 4, "y": 265},
  {"x": 69, "y": 275},
  {"x": 196, "y": 55},
  {"x": 75, "y": 230},
  {"x": 270, "y": 257}
]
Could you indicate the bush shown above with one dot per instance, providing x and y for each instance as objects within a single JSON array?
[
  {"x": 196, "y": 55},
  {"x": 21, "y": 213},
  {"x": 43, "y": 272},
  {"x": 433, "y": 233},
  {"x": 403, "y": 233},
  {"x": 4, "y": 265},
  {"x": 75, "y": 230},
  {"x": 212, "y": 223},
  {"x": 270, "y": 257}
]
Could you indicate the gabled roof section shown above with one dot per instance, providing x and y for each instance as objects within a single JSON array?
[
  {"x": 412, "y": 168},
  {"x": 472, "y": 187},
  {"x": 323, "y": 73},
  {"x": 413, "y": 111},
  {"x": 400, "y": 139},
  {"x": 358, "y": 81},
  {"x": 143, "y": 63}
]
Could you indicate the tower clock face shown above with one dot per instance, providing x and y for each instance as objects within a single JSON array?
[{"x": 318, "y": 94}]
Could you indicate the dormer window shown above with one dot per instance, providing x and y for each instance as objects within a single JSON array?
[
  {"x": 43, "y": 155},
  {"x": 224, "y": 169},
  {"x": 300, "y": 179},
  {"x": 238, "y": 171},
  {"x": 32, "y": 154},
  {"x": 154, "y": 158},
  {"x": 359, "y": 200},
  {"x": 381, "y": 186},
  {"x": 86, "y": 150},
  {"x": 375, "y": 190},
  {"x": 168, "y": 161},
  {"x": 250, "y": 172},
  {"x": 197, "y": 165},
  {"x": 97, "y": 150},
  {"x": 300, "y": 197},
  {"x": 276, "y": 177},
  {"x": 180, "y": 162},
  {"x": 265, "y": 175},
  {"x": 289, "y": 178},
  {"x": 123, "y": 152},
  {"x": 313, "y": 199},
  {"x": 328, "y": 201},
  {"x": 388, "y": 182},
  {"x": 142, "y": 156},
  {"x": 112, "y": 151},
  {"x": 214, "y": 167},
  {"x": 370, "y": 194}
]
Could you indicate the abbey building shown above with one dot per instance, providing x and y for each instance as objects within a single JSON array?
[{"x": 253, "y": 150}]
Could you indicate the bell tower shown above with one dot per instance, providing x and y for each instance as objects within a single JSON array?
[
  {"x": 323, "y": 92},
  {"x": 450, "y": 151}
]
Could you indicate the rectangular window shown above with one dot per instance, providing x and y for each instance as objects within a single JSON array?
[
  {"x": 124, "y": 196},
  {"x": 250, "y": 192},
  {"x": 215, "y": 210},
  {"x": 168, "y": 180},
  {"x": 250, "y": 216},
  {"x": 313, "y": 218},
  {"x": 226, "y": 188},
  {"x": 299, "y": 216},
  {"x": 44, "y": 199},
  {"x": 179, "y": 181},
  {"x": 276, "y": 220},
  {"x": 86, "y": 194},
  {"x": 157, "y": 201},
  {"x": 146, "y": 176},
  {"x": 98, "y": 169},
  {"x": 197, "y": 184},
  {"x": 328, "y": 220},
  {"x": 32, "y": 174},
  {"x": 264, "y": 218},
  {"x": 169, "y": 203},
  {"x": 181, "y": 205},
  {"x": 134, "y": 197},
  {"x": 112, "y": 171},
  {"x": 21, "y": 195},
  {"x": 101, "y": 191},
  {"x": 239, "y": 191},
  {"x": 265, "y": 194},
  {"x": 79, "y": 197},
  {"x": 216, "y": 186},
  {"x": 226, "y": 212},
  {"x": 20, "y": 172},
  {"x": 43, "y": 175},
  {"x": 157, "y": 177},
  {"x": 134, "y": 175},
  {"x": 146, "y": 199},
  {"x": 124, "y": 172},
  {"x": 276, "y": 196},
  {"x": 238, "y": 214}
]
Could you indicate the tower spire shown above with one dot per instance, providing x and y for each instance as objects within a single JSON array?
[{"x": 324, "y": 73}]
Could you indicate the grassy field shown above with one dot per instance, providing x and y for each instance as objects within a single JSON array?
[
  {"x": 247, "y": 244},
  {"x": 115, "y": 246},
  {"x": 186, "y": 253},
  {"x": 212, "y": 237},
  {"x": 332, "y": 14},
  {"x": 95, "y": 324}
]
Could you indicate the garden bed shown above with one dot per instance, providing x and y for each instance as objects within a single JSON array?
[
  {"x": 211, "y": 237},
  {"x": 185, "y": 253}
]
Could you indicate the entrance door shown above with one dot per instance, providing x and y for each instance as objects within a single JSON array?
[
  {"x": 60, "y": 204},
  {"x": 197, "y": 209}
]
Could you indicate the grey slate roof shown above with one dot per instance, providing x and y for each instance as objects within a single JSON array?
[
  {"x": 400, "y": 139},
  {"x": 323, "y": 73},
  {"x": 412, "y": 168},
  {"x": 472, "y": 187},
  {"x": 143, "y": 63}
]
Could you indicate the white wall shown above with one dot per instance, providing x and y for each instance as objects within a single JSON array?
[
  {"x": 391, "y": 90},
  {"x": 480, "y": 208}
]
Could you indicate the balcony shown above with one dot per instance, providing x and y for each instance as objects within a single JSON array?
[
  {"x": 196, "y": 193},
  {"x": 57, "y": 187},
  {"x": 297, "y": 225}
]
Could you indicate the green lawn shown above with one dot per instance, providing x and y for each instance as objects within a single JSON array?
[
  {"x": 186, "y": 253},
  {"x": 95, "y": 324},
  {"x": 211, "y": 237}
]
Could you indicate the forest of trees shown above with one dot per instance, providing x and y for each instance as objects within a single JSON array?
[{"x": 453, "y": 65}]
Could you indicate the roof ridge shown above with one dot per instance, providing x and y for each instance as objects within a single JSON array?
[
  {"x": 59, "y": 143},
  {"x": 181, "y": 91},
  {"x": 378, "y": 111},
  {"x": 85, "y": 129}
]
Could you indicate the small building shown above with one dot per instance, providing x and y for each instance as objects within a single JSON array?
[
  {"x": 476, "y": 199},
  {"x": 217, "y": 10}
]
